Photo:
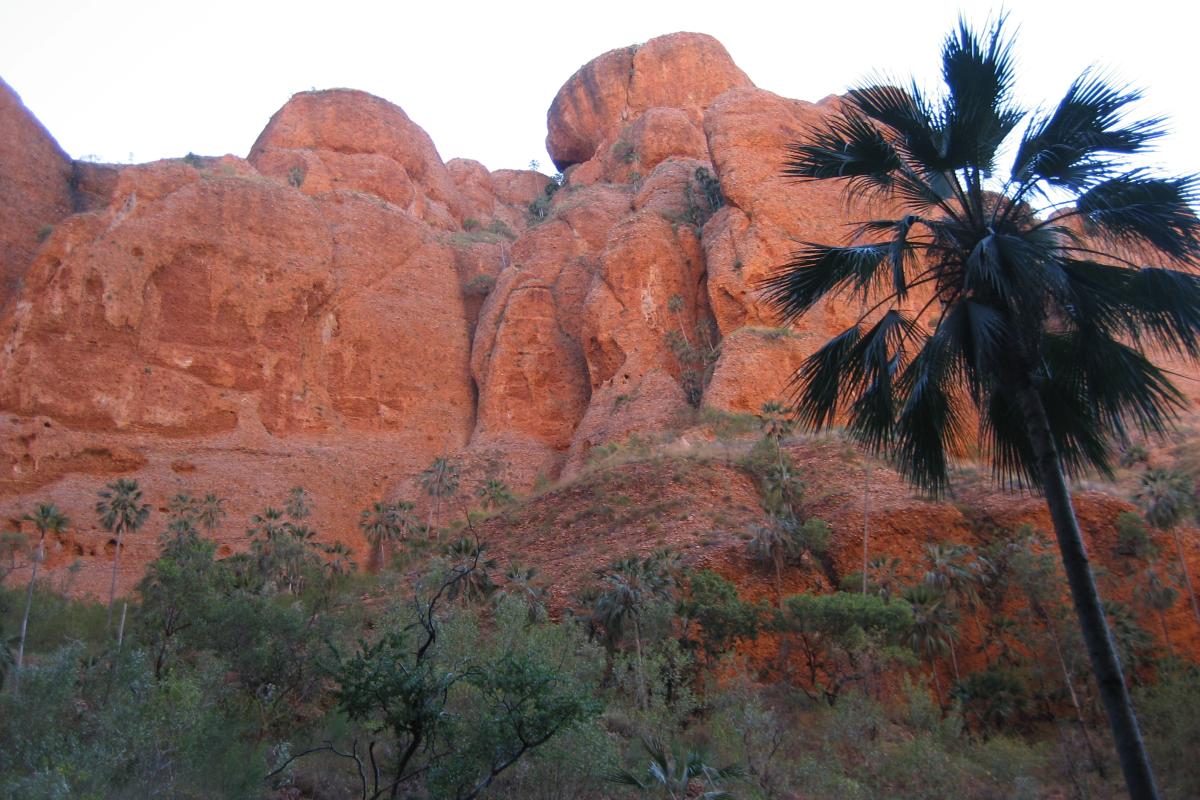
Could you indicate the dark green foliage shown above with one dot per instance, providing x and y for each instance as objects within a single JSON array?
[
  {"x": 1132, "y": 536},
  {"x": 843, "y": 638},
  {"x": 994, "y": 699},
  {"x": 713, "y": 603},
  {"x": 539, "y": 209}
]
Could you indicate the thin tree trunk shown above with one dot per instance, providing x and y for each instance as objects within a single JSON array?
[
  {"x": 1069, "y": 680},
  {"x": 25, "y": 618},
  {"x": 641, "y": 669},
  {"x": 954, "y": 662},
  {"x": 1106, "y": 665},
  {"x": 866, "y": 522},
  {"x": 1187, "y": 578},
  {"x": 1162, "y": 620},
  {"x": 937, "y": 682},
  {"x": 778, "y": 581},
  {"x": 112, "y": 586},
  {"x": 121, "y": 627}
]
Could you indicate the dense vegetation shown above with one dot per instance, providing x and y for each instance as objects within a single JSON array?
[{"x": 287, "y": 671}]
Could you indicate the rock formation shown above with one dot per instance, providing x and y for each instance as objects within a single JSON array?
[{"x": 341, "y": 307}]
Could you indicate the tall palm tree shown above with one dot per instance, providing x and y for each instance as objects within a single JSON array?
[
  {"x": 47, "y": 519},
  {"x": 772, "y": 544},
  {"x": 382, "y": 526},
  {"x": 1020, "y": 317},
  {"x": 1166, "y": 497},
  {"x": 439, "y": 480},
  {"x": 120, "y": 510}
]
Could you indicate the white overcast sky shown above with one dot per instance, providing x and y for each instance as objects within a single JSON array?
[{"x": 125, "y": 80}]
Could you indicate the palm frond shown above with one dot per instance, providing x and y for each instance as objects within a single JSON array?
[
  {"x": 978, "y": 72},
  {"x": 818, "y": 382},
  {"x": 1155, "y": 304},
  {"x": 870, "y": 382},
  {"x": 818, "y": 271},
  {"x": 1070, "y": 147},
  {"x": 930, "y": 421},
  {"x": 915, "y": 121},
  {"x": 1139, "y": 209},
  {"x": 848, "y": 146}
]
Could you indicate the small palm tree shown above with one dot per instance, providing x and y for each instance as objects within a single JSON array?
[
  {"x": 933, "y": 630},
  {"x": 340, "y": 560},
  {"x": 776, "y": 421},
  {"x": 773, "y": 545},
  {"x": 210, "y": 511},
  {"x": 120, "y": 510},
  {"x": 676, "y": 774},
  {"x": 383, "y": 527},
  {"x": 982, "y": 294},
  {"x": 520, "y": 582},
  {"x": 1166, "y": 498},
  {"x": 1160, "y": 596},
  {"x": 47, "y": 519},
  {"x": 474, "y": 583},
  {"x": 439, "y": 480},
  {"x": 298, "y": 504},
  {"x": 494, "y": 494}
]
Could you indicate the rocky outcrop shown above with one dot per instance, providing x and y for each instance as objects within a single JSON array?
[
  {"x": 35, "y": 189},
  {"x": 683, "y": 71}
]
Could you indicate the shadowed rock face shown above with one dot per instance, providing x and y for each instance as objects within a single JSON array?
[{"x": 341, "y": 307}]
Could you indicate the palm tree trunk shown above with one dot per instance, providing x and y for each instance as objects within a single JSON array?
[
  {"x": 112, "y": 586},
  {"x": 1162, "y": 620},
  {"x": 1187, "y": 578},
  {"x": 866, "y": 522},
  {"x": 937, "y": 682},
  {"x": 25, "y": 617},
  {"x": 1069, "y": 680},
  {"x": 1106, "y": 666},
  {"x": 641, "y": 669}
]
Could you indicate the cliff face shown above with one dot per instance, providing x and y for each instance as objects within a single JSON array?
[{"x": 341, "y": 307}]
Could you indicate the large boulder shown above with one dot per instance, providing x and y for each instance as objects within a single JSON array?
[
  {"x": 683, "y": 71},
  {"x": 347, "y": 139}
]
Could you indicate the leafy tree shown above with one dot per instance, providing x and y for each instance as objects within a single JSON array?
[
  {"x": 120, "y": 510},
  {"x": 1132, "y": 537},
  {"x": 713, "y": 603},
  {"x": 772, "y": 544},
  {"x": 1017, "y": 315},
  {"x": 1166, "y": 498},
  {"x": 844, "y": 637}
]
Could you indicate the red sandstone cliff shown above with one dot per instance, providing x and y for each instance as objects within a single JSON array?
[{"x": 341, "y": 307}]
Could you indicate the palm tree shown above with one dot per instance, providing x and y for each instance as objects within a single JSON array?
[
  {"x": 298, "y": 504},
  {"x": 628, "y": 586},
  {"x": 1166, "y": 497},
  {"x": 46, "y": 518},
  {"x": 1160, "y": 596},
  {"x": 1036, "y": 327},
  {"x": 933, "y": 628},
  {"x": 381, "y": 523},
  {"x": 673, "y": 774},
  {"x": 439, "y": 480},
  {"x": 772, "y": 544},
  {"x": 210, "y": 511},
  {"x": 494, "y": 493},
  {"x": 121, "y": 510}
]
